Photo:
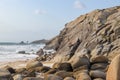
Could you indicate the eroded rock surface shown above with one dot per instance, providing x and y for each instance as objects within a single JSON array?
[{"x": 98, "y": 32}]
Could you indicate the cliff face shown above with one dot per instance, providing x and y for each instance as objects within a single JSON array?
[{"x": 95, "y": 33}]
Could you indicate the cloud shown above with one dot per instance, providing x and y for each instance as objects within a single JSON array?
[
  {"x": 78, "y": 5},
  {"x": 40, "y": 12}
]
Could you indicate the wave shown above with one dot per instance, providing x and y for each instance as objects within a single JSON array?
[{"x": 10, "y": 52}]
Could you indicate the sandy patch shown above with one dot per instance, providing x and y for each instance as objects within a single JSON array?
[
  {"x": 21, "y": 64},
  {"x": 14, "y": 64}
]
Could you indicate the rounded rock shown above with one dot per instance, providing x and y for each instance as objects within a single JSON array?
[
  {"x": 99, "y": 59},
  {"x": 33, "y": 64},
  {"x": 80, "y": 61},
  {"x": 97, "y": 74}
]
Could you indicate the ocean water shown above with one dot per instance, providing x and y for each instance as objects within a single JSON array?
[{"x": 9, "y": 52}]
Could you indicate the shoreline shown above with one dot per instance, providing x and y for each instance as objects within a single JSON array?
[
  {"x": 15, "y": 64},
  {"x": 22, "y": 63}
]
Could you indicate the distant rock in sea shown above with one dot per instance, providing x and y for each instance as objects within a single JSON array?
[{"x": 22, "y": 42}]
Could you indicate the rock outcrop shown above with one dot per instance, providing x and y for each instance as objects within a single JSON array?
[
  {"x": 89, "y": 43},
  {"x": 95, "y": 33}
]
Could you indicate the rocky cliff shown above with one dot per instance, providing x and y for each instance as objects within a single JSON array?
[{"x": 95, "y": 33}]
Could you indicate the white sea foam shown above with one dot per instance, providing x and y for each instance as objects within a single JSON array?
[{"x": 10, "y": 52}]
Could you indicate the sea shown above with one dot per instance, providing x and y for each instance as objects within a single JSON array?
[{"x": 10, "y": 51}]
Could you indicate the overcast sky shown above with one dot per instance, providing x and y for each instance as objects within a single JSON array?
[{"x": 30, "y": 20}]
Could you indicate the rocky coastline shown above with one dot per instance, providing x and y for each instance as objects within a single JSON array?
[{"x": 88, "y": 48}]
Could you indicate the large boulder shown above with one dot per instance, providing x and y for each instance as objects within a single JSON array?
[
  {"x": 63, "y": 66},
  {"x": 33, "y": 64},
  {"x": 99, "y": 59},
  {"x": 81, "y": 69},
  {"x": 80, "y": 61},
  {"x": 5, "y": 74},
  {"x": 113, "y": 72}
]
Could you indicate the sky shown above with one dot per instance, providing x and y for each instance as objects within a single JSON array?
[{"x": 29, "y": 20}]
